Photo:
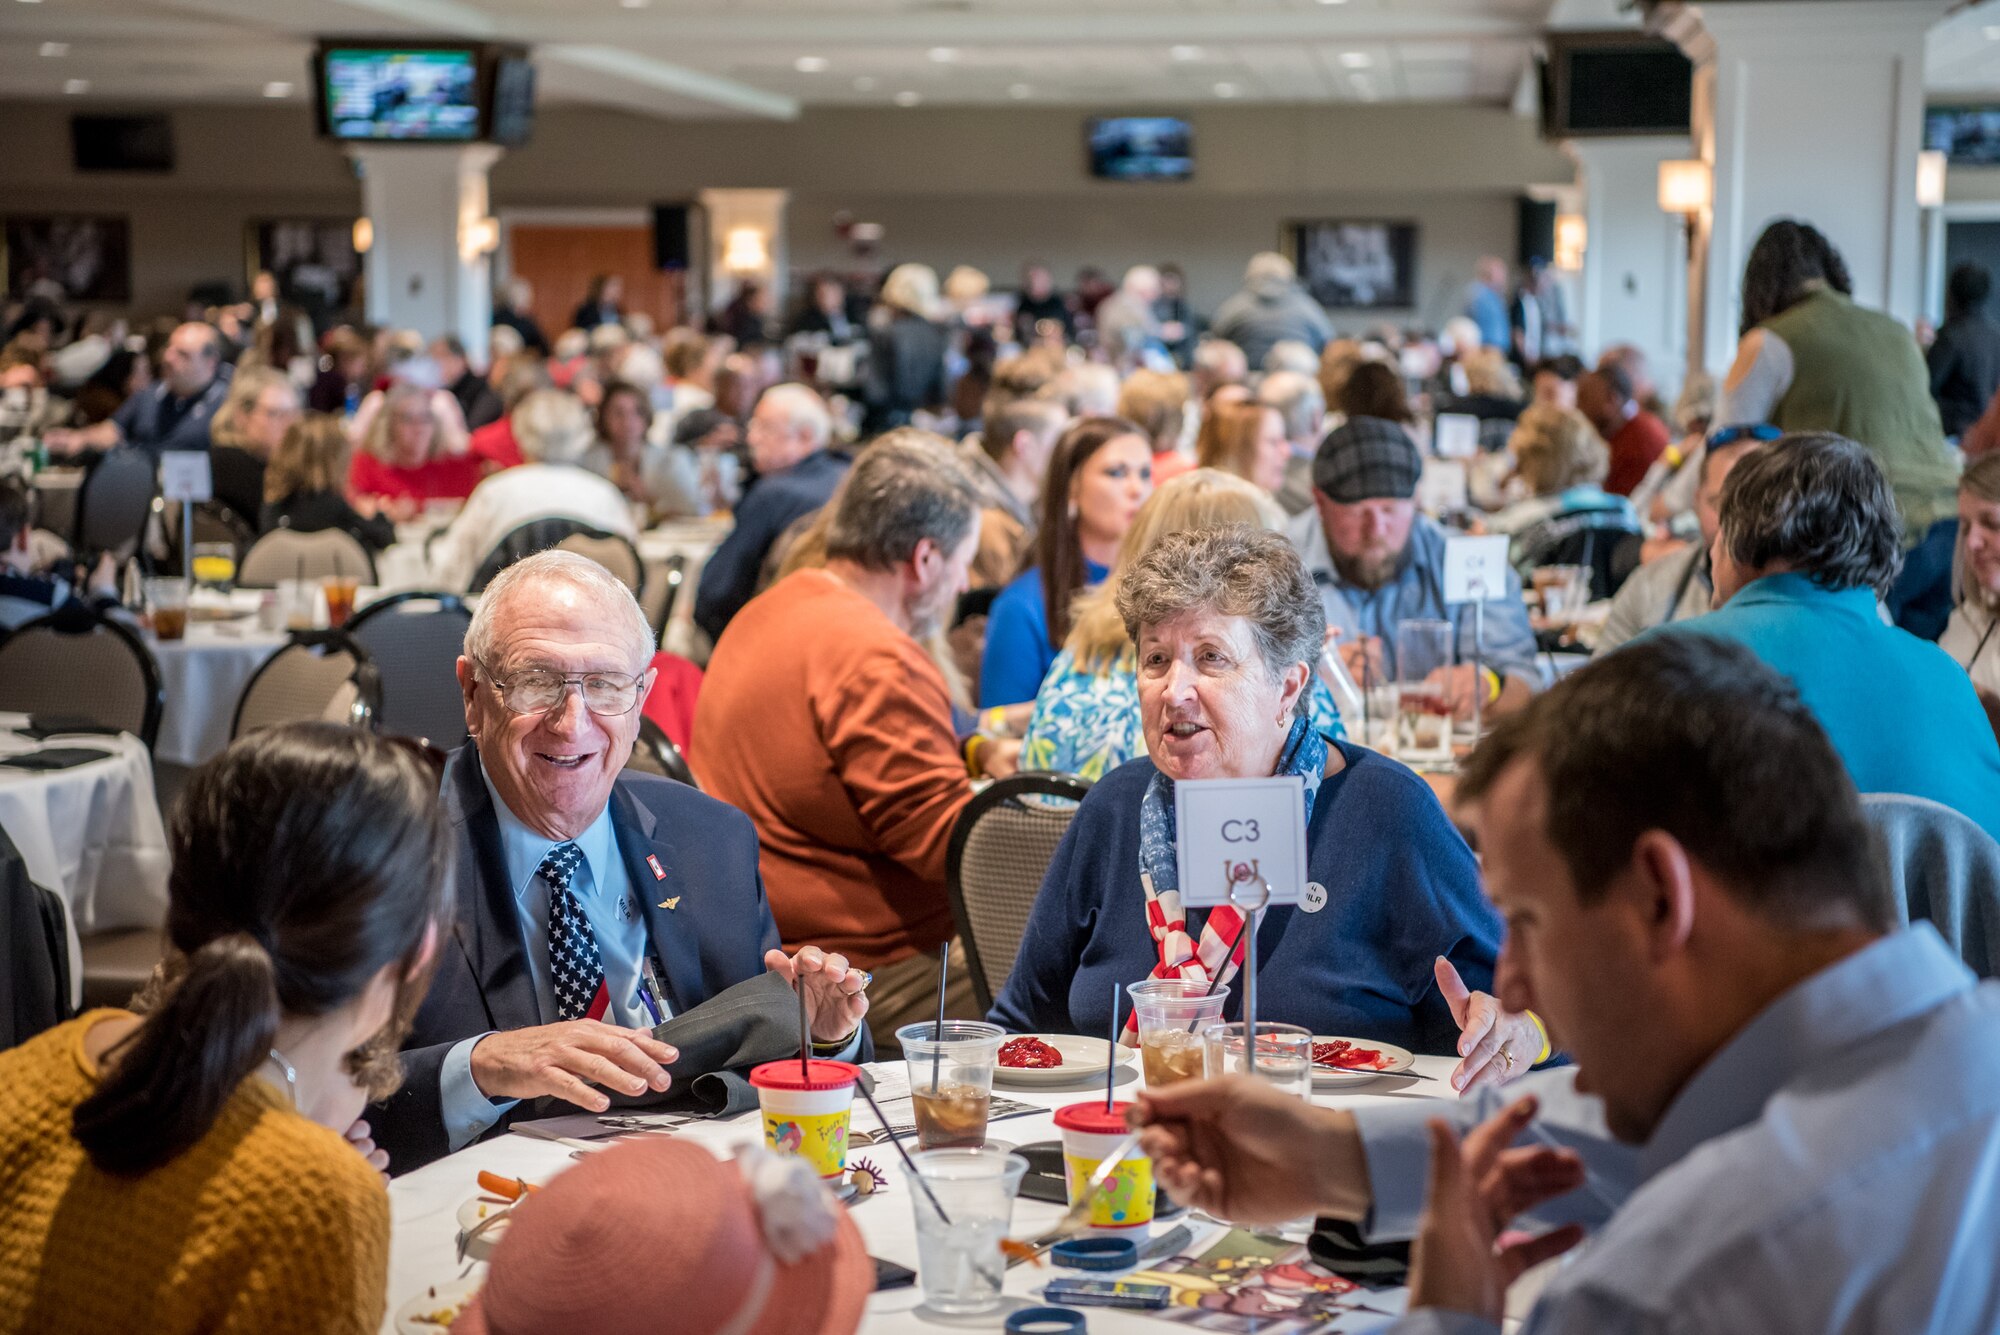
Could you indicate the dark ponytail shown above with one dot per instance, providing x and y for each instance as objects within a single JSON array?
[
  {"x": 175, "y": 1072},
  {"x": 306, "y": 859},
  {"x": 1787, "y": 257}
]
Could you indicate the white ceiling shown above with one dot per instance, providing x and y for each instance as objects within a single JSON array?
[{"x": 773, "y": 57}]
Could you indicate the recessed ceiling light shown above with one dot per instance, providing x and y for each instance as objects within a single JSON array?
[
  {"x": 635, "y": 4},
  {"x": 1185, "y": 53},
  {"x": 810, "y": 64},
  {"x": 277, "y": 88},
  {"x": 55, "y": 48},
  {"x": 1226, "y": 90},
  {"x": 944, "y": 55},
  {"x": 864, "y": 84},
  {"x": 1019, "y": 91},
  {"x": 1333, "y": 2},
  {"x": 73, "y": 85},
  {"x": 1356, "y": 60},
  {"x": 906, "y": 98}
]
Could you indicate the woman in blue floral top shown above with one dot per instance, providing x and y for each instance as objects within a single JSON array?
[{"x": 1086, "y": 719}]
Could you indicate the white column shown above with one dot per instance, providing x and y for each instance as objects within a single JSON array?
[
  {"x": 733, "y": 217},
  {"x": 1635, "y": 261},
  {"x": 1815, "y": 112},
  {"x": 429, "y": 266}
]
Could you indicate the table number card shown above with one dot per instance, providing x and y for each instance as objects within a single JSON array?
[
  {"x": 1475, "y": 568},
  {"x": 184, "y": 476},
  {"x": 1237, "y": 829},
  {"x": 1456, "y": 436}
]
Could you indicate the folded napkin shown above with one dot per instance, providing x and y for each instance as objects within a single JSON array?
[{"x": 55, "y": 757}]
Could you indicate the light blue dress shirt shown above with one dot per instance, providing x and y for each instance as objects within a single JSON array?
[
  {"x": 1835, "y": 1167},
  {"x": 1416, "y": 592}
]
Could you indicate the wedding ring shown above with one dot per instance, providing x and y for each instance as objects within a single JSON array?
[{"x": 1506, "y": 1056}]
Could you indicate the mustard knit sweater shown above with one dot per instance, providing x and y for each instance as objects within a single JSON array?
[{"x": 269, "y": 1223}]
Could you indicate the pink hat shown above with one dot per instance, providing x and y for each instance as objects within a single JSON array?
[{"x": 660, "y": 1234}]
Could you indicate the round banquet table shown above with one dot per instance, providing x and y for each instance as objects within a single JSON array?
[
  {"x": 424, "y": 1203},
  {"x": 91, "y": 833}
]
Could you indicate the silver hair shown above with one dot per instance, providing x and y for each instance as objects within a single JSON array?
[
  {"x": 1289, "y": 354},
  {"x": 1233, "y": 571},
  {"x": 1820, "y": 504},
  {"x": 552, "y": 427},
  {"x": 803, "y": 409},
  {"x": 1298, "y": 399},
  {"x": 557, "y": 567}
]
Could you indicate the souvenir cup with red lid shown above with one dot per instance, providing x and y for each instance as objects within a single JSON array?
[
  {"x": 1124, "y": 1207},
  {"x": 805, "y": 1110}
]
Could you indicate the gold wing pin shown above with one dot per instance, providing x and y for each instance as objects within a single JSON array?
[{"x": 670, "y": 904}]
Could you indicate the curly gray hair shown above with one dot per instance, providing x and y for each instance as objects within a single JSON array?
[
  {"x": 557, "y": 567},
  {"x": 1818, "y": 503},
  {"x": 1234, "y": 571}
]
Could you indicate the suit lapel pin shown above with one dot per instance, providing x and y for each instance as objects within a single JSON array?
[
  {"x": 671, "y": 904},
  {"x": 659, "y": 872}
]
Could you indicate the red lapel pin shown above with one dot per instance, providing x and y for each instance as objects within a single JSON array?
[{"x": 659, "y": 872}]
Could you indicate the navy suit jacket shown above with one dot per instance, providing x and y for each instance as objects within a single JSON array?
[{"x": 714, "y": 936}]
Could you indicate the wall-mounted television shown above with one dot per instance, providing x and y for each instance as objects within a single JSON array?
[
  {"x": 1615, "y": 83},
  {"x": 1141, "y": 148},
  {"x": 122, "y": 143},
  {"x": 1968, "y": 136},
  {"x": 372, "y": 91}
]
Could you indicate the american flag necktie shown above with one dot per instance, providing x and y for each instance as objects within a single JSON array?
[{"x": 573, "y": 960}]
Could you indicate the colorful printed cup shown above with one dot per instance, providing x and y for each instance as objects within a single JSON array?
[
  {"x": 805, "y": 1111},
  {"x": 1124, "y": 1207}
]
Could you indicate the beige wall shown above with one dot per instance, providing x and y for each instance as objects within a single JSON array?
[{"x": 988, "y": 187}]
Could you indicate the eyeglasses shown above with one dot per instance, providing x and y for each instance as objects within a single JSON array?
[
  {"x": 1730, "y": 435},
  {"x": 540, "y": 691}
]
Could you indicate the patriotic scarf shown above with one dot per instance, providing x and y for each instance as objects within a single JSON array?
[{"x": 1222, "y": 946}]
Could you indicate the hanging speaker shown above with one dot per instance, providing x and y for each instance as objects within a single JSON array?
[
  {"x": 1538, "y": 232},
  {"x": 672, "y": 246}
]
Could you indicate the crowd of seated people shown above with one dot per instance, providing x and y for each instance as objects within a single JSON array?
[{"x": 1103, "y": 539}]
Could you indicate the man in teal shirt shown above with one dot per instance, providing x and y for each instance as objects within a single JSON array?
[{"x": 1809, "y": 538}]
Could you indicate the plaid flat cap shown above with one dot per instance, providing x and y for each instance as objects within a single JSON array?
[{"x": 1367, "y": 459}]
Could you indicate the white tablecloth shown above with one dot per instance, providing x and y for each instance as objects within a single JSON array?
[
  {"x": 424, "y": 1205},
  {"x": 91, "y": 833}
]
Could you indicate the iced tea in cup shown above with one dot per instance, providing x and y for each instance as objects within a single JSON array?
[
  {"x": 1123, "y": 1207},
  {"x": 805, "y": 1110},
  {"x": 1171, "y": 1014},
  {"x": 951, "y": 1080}
]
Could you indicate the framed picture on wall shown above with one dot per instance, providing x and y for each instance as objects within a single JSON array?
[
  {"x": 1356, "y": 263},
  {"x": 313, "y": 259},
  {"x": 69, "y": 257}
]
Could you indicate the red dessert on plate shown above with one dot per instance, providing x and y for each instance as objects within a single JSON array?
[
  {"x": 1029, "y": 1054},
  {"x": 1341, "y": 1055}
]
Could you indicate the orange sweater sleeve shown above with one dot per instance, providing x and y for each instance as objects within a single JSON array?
[{"x": 887, "y": 726}]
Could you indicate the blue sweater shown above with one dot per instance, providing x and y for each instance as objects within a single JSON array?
[
  {"x": 771, "y": 506},
  {"x": 1402, "y": 890},
  {"x": 1899, "y": 711},
  {"x": 1018, "y": 653}
]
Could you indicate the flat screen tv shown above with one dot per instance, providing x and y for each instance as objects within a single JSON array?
[
  {"x": 412, "y": 94},
  {"x": 122, "y": 143},
  {"x": 1141, "y": 148},
  {"x": 1615, "y": 83},
  {"x": 1967, "y": 136}
]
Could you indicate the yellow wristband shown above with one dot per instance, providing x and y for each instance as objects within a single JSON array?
[
  {"x": 994, "y": 721},
  {"x": 1543, "y": 1030},
  {"x": 973, "y": 746},
  {"x": 1492, "y": 680}
]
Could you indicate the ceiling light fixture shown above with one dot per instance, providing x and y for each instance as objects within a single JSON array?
[
  {"x": 1226, "y": 90},
  {"x": 635, "y": 4},
  {"x": 1019, "y": 91},
  {"x": 810, "y": 64},
  {"x": 906, "y": 98},
  {"x": 1356, "y": 60},
  {"x": 55, "y": 48},
  {"x": 1185, "y": 53},
  {"x": 277, "y": 88},
  {"x": 944, "y": 55},
  {"x": 74, "y": 86},
  {"x": 1333, "y": 2}
]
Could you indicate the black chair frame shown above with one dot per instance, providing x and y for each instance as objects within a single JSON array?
[
  {"x": 78, "y": 617},
  {"x": 367, "y": 681},
  {"x": 1031, "y": 783},
  {"x": 665, "y": 753},
  {"x": 538, "y": 535}
]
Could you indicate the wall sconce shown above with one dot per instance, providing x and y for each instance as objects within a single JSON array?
[
  {"x": 744, "y": 251},
  {"x": 364, "y": 236},
  {"x": 1930, "y": 178},
  {"x": 1685, "y": 186},
  {"x": 479, "y": 236},
  {"x": 1572, "y": 236}
]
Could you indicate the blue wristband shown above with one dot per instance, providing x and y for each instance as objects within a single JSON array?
[
  {"x": 1046, "y": 1321},
  {"x": 1096, "y": 1253}
]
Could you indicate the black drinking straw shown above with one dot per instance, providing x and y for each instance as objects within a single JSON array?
[
  {"x": 937, "y": 1047},
  {"x": 908, "y": 1162},
  {"x": 1216, "y": 981},
  {"x": 805, "y": 1033}
]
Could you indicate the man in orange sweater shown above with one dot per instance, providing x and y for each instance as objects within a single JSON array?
[{"x": 824, "y": 721}]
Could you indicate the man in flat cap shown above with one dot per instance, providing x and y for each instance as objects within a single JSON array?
[{"x": 1378, "y": 563}]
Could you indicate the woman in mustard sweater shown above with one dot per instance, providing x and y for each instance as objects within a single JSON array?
[{"x": 203, "y": 1168}]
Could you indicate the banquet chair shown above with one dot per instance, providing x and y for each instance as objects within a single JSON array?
[
  {"x": 117, "y": 964},
  {"x": 1000, "y": 851},
  {"x": 79, "y": 663},
  {"x": 662, "y": 594},
  {"x": 655, "y": 753},
  {"x": 34, "y": 970},
  {"x": 414, "y": 640},
  {"x": 1946, "y": 871},
  {"x": 213, "y": 522},
  {"x": 115, "y": 503},
  {"x": 286, "y": 553},
  {"x": 319, "y": 676},
  {"x": 537, "y": 535},
  {"x": 614, "y": 553}
]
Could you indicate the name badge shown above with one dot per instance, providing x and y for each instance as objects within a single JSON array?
[{"x": 1241, "y": 832}]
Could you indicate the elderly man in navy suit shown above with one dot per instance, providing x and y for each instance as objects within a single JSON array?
[{"x": 592, "y": 903}]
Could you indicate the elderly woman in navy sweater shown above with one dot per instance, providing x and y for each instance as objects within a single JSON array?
[{"x": 1227, "y": 625}]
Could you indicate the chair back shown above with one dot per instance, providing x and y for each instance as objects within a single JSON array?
[
  {"x": 662, "y": 592},
  {"x": 655, "y": 753},
  {"x": 213, "y": 522},
  {"x": 116, "y": 501},
  {"x": 414, "y": 640},
  {"x": 1609, "y": 553},
  {"x": 35, "y": 980},
  {"x": 1946, "y": 871},
  {"x": 1000, "y": 851},
  {"x": 320, "y": 676},
  {"x": 614, "y": 553},
  {"x": 537, "y": 535},
  {"x": 286, "y": 553},
  {"x": 78, "y": 663}
]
